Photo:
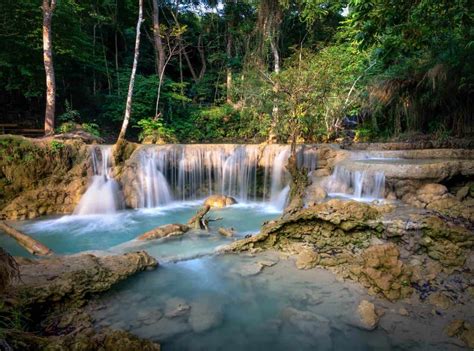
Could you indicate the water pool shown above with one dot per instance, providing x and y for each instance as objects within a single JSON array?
[
  {"x": 116, "y": 232},
  {"x": 199, "y": 300}
]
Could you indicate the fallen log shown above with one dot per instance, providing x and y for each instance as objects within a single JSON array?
[
  {"x": 164, "y": 231},
  {"x": 198, "y": 221},
  {"x": 31, "y": 245}
]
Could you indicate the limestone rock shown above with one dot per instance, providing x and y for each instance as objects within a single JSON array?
[
  {"x": 462, "y": 193},
  {"x": 440, "y": 300},
  {"x": 462, "y": 330},
  {"x": 315, "y": 193},
  {"x": 70, "y": 279},
  {"x": 329, "y": 225},
  {"x": 307, "y": 259},
  {"x": 220, "y": 201},
  {"x": 430, "y": 192},
  {"x": 367, "y": 314},
  {"x": 383, "y": 272}
]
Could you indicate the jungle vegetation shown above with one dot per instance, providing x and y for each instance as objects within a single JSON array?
[{"x": 245, "y": 70}]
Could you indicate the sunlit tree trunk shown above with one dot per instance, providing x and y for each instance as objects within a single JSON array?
[
  {"x": 275, "y": 111},
  {"x": 48, "y": 9},
  {"x": 128, "y": 106},
  {"x": 158, "y": 42},
  {"x": 229, "y": 70}
]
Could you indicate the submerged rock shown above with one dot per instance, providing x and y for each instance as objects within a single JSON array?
[
  {"x": 219, "y": 201},
  {"x": 368, "y": 315},
  {"x": 205, "y": 315}
]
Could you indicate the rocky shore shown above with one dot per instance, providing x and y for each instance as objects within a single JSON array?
[
  {"x": 45, "y": 306},
  {"x": 395, "y": 252}
]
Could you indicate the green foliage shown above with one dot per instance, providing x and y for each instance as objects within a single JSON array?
[
  {"x": 56, "y": 146},
  {"x": 364, "y": 134},
  {"x": 70, "y": 115},
  {"x": 66, "y": 127},
  {"x": 403, "y": 66},
  {"x": 91, "y": 128},
  {"x": 155, "y": 130},
  {"x": 424, "y": 55}
]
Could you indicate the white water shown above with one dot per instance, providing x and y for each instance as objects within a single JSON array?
[
  {"x": 190, "y": 172},
  {"x": 360, "y": 185},
  {"x": 103, "y": 194}
]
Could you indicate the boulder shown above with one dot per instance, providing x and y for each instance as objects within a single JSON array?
[
  {"x": 429, "y": 192},
  {"x": 382, "y": 272},
  {"x": 368, "y": 315},
  {"x": 440, "y": 300},
  {"x": 220, "y": 201}
]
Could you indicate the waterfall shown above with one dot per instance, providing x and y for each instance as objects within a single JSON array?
[
  {"x": 190, "y": 172},
  {"x": 358, "y": 184},
  {"x": 103, "y": 194},
  {"x": 155, "y": 189}
]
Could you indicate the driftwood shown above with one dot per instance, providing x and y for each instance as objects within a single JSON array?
[
  {"x": 198, "y": 221},
  {"x": 31, "y": 245},
  {"x": 164, "y": 231},
  {"x": 229, "y": 232}
]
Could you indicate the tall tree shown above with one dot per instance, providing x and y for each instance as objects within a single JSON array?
[
  {"x": 157, "y": 40},
  {"x": 48, "y": 9},
  {"x": 128, "y": 106}
]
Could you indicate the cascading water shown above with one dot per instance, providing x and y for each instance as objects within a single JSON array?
[
  {"x": 189, "y": 172},
  {"x": 103, "y": 194},
  {"x": 358, "y": 184}
]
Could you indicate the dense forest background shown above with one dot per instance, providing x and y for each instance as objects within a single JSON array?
[{"x": 245, "y": 70}]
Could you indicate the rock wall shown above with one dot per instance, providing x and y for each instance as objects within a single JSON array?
[{"x": 41, "y": 177}]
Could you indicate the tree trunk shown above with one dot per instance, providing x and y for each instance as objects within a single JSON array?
[
  {"x": 190, "y": 65},
  {"x": 48, "y": 9},
  {"x": 202, "y": 56},
  {"x": 128, "y": 106},
  {"x": 158, "y": 42},
  {"x": 272, "y": 137},
  {"x": 229, "y": 70},
  {"x": 31, "y": 245}
]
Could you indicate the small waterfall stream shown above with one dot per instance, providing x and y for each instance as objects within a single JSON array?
[
  {"x": 103, "y": 194},
  {"x": 358, "y": 184}
]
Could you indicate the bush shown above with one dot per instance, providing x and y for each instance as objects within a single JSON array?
[
  {"x": 91, "y": 128},
  {"x": 155, "y": 130}
]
